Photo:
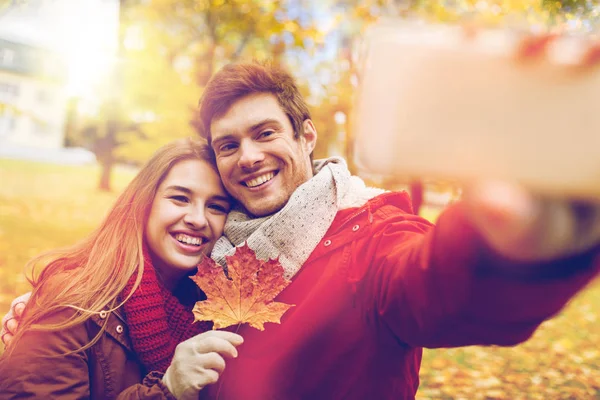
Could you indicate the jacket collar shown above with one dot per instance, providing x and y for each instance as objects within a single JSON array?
[
  {"x": 400, "y": 200},
  {"x": 115, "y": 326},
  {"x": 353, "y": 223}
]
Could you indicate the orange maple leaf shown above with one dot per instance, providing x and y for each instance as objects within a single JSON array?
[{"x": 245, "y": 295}]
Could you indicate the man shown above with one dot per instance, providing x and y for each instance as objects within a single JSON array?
[{"x": 372, "y": 283}]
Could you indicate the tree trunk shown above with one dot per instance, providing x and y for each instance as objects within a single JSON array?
[
  {"x": 105, "y": 175},
  {"x": 106, "y": 145},
  {"x": 104, "y": 149}
]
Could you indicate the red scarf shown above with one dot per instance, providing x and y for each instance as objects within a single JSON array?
[{"x": 159, "y": 320}]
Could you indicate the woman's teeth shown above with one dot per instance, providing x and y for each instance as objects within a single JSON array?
[
  {"x": 188, "y": 239},
  {"x": 260, "y": 180}
]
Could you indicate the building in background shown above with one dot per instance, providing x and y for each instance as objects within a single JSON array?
[{"x": 33, "y": 98}]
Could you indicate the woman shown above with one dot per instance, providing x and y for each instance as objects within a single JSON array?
[{"x": 107, "y": 314}]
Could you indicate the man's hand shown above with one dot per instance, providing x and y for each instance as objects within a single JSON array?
[
  {"x": 523, "y": 227},
  {"x": 10, "y": 322},
  {"x": 200, "y": 361}
]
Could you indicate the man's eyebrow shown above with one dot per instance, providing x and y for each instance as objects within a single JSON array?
[
  {"x": 255, "y": 127},
  {"x": 267, "y": 121},
  {"x": 179, "y": 188}
]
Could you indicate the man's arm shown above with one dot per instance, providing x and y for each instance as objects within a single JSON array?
[{"x": 453, "y": 286}]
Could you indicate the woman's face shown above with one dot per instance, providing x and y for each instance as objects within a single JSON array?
[{"x": 187, "y": 217}]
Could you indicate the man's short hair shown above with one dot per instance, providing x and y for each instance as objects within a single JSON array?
[{"x": 235, "y": 81}]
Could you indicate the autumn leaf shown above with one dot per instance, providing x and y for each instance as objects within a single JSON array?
[{"x": 245, "y": 295}]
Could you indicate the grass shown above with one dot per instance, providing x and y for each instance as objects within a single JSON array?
[{"x": 45, "y": 206}]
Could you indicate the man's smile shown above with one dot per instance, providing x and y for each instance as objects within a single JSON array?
[{"x": 259, "y": 180}]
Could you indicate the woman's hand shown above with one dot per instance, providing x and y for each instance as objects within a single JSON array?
[{"x": 200, "y": 361}]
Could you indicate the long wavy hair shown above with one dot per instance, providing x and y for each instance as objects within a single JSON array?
[{"x": 91, "y": 275}]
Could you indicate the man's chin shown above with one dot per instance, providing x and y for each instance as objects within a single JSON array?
[{"x": 264, "y": 209}]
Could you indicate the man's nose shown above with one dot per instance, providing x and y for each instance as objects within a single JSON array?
[{"x": 250, "y": 154}]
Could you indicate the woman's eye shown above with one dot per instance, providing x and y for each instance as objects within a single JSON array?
[
  {"x": 219, "y": 208},
  {"x": 180, "y": 199}
]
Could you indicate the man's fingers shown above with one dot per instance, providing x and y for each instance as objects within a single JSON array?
[
  {"x": 6, "y": 339},
  {"x": 21, "y": 299},
  {"x": 504, "y": 214},
  {"x": 592, "y": 56},
  {"x": 534, "y": 47},
  {"x": 11, "y": 326},
  {"x": 524, "y": 227},
  {"x": 10, "y": 315},
  {"x": 19, "y": 308},
  {"x": 500, "y": 207},
  {"x": 582, "y": 54}
]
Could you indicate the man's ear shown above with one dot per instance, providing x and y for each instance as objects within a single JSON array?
[{"x": 310, "y": 135}]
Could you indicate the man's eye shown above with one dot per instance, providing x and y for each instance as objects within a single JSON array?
[
  {"x": 266, "y": 134},
  {"x": 227, "y": 147}
]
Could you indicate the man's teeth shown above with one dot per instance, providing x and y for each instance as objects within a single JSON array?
[
  {"x": 260, "y": 180},
  {"x": 188, "y": 239}
]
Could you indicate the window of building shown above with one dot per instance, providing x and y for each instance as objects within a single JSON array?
[
  {"x": 44, "y": 96},
  {"x": 9, "y": 91},
  {"x": 41, "y": 128},
  {"x": 7, "y": 123},
  {"x": 7, "y": 56}
]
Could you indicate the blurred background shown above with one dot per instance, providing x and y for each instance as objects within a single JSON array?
[{"x": 90, "y": 88}]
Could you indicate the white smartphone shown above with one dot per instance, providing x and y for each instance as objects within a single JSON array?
[{"x": 437, "y": 102}]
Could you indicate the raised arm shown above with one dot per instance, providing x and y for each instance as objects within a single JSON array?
[{"x": 494, "y": 268}]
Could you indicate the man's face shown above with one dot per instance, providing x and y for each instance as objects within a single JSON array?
[{"x": 259, "y": 160}]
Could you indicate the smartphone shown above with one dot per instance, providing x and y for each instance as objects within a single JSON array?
[{"x": 439, "y": 101}]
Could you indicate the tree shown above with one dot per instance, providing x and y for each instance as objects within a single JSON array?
[
  {"x": 6, "y": 5},
  {"x": 359, "y": 15},
  {"x": 168, "y": 51}
]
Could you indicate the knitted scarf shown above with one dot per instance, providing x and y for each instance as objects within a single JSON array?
[
  {"x": 158, "y": 320},
  {"x": 294, "y": 231}
]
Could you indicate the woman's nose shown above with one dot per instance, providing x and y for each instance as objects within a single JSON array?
[{"x": 195, "y": 217}]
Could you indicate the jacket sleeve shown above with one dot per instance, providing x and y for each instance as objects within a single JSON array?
[
  {"x": 39, "y": 366},
  {"x": 151, "y": 388},
  {"x": 444, "y": 287}
]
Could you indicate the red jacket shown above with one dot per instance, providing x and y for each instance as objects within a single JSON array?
[{"x": 381, "y": 285}]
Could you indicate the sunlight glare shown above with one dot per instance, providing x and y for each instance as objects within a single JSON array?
[{"x": 86, "y": 35}]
